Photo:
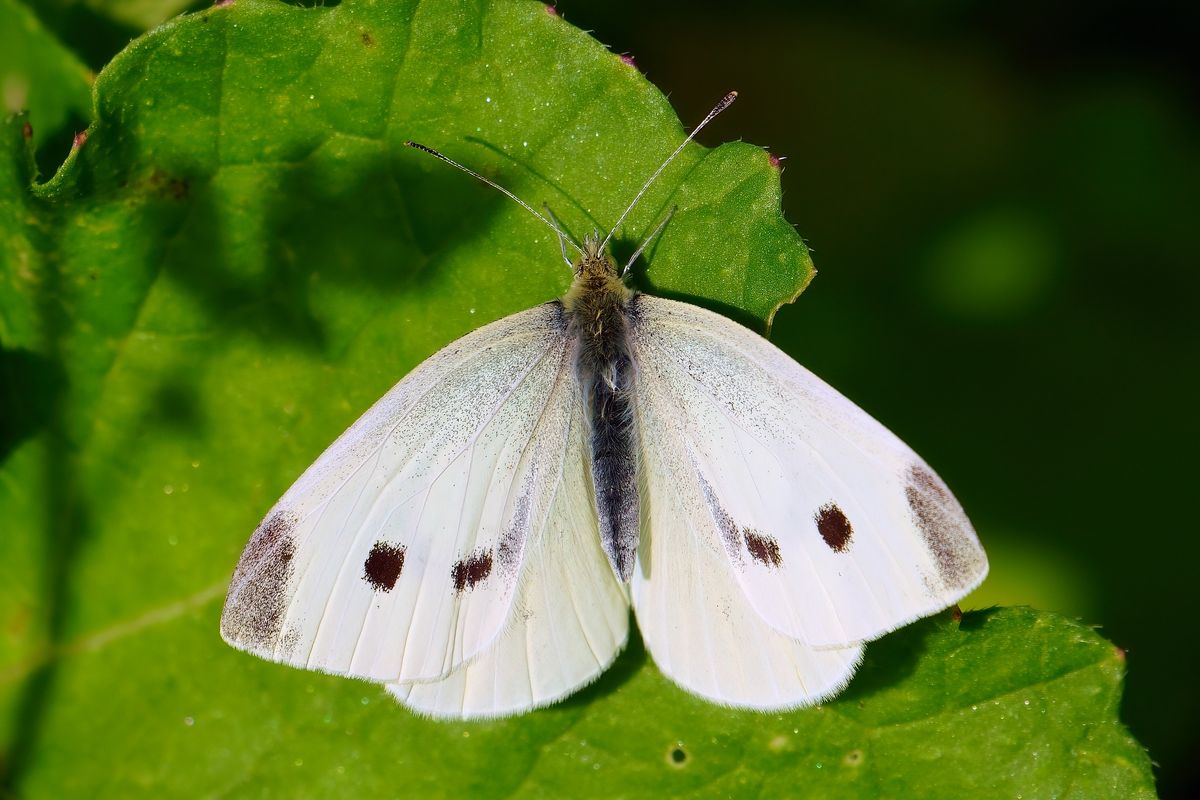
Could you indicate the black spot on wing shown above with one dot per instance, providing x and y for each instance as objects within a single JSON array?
[
  {"x": 468, "y": 572},
  {"x": 258, "y": 594},
  {"x": 764, "y": 549},
  {"x": 834, "y": 528},
  {"x": 944, "y": 526},
  {"x": 383, "y": 566}
]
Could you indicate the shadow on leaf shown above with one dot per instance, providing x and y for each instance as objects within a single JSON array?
[
  {"x": 893, "y": 659},
  {"x": 632, "y": 659}
]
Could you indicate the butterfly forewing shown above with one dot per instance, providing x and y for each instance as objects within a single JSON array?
[
  {"x": 396, "y": 556},
  {"x": 835, "y": 531}
]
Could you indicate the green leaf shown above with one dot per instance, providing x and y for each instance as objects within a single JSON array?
[
  {"x": 240, "y": 259},
  {"x": 39, "y": 75}
]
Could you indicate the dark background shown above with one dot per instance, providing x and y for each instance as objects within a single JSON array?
[{"x": 1002, "y": 201}]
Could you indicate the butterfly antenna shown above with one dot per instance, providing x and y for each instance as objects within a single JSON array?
[
  {"x": 726, "y": 101},
  {"x": 649, "y": 239},
  {"x": 426, "y": 149},
  {"x": 562, "y": 240}
]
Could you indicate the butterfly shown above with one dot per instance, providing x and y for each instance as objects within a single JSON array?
[{"x": 474, "y": 542}]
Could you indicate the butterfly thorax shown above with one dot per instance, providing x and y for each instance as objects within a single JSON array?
[{"x": 598, "y": 305}]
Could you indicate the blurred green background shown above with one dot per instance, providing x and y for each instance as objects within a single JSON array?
[{"x": 1001, "y": 200}]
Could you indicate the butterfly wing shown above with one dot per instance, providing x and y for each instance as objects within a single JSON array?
[
  {"x": 833, "y": 529},
  {"x": 571, "y": 616},
  {"x": 397, "y": 556}
]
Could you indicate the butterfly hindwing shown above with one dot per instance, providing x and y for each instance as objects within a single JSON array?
[{"x": 569, "y": 621}]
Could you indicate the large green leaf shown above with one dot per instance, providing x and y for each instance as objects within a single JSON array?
[{"x": 239, "y": 259}]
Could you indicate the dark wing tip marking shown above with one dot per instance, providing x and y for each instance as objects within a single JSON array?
[
  {"x": 468, "y": 572},
  {"x": 763, "y": 548},
  {"x": 944, "y": 526},
  {"x": 834, "y": 528},
  {"x": 257, "y": 601},
  {"x": 383, "y": 566}
]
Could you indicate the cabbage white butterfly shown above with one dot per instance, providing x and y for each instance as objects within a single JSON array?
[{"x": 475, "y": 540}]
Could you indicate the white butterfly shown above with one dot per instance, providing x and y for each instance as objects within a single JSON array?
[{"x": 475, "y": 540}]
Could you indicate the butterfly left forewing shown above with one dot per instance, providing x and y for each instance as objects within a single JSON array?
[
  {"x": 835, "y": 530},
  {"x": 395, "y": 555}
]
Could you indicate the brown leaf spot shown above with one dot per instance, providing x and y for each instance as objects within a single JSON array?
[
  {"x": 471, "y": 570},
  {"x": 177, "y": 188},
  {"x": 834, "y": 527},
  {"x": 27, "y": 131},
  {"x": 80, "y": 140},
  {"x": 258, "y": 594},
  {"x": 383, "y": 566},
  {"x": 367, "y": 40},
  {"x": 763, "y": 548},
  {"x": 947, "y": 531}
]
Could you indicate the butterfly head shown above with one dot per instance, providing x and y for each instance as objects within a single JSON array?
[
  {"x": 594, "y": 257},
  {"x": 597, "y": 282}
]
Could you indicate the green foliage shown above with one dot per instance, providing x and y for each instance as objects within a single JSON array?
[{"x": 238, "y": 261}]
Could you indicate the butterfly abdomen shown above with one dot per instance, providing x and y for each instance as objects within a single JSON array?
[{"x": 598, "y": 305}]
